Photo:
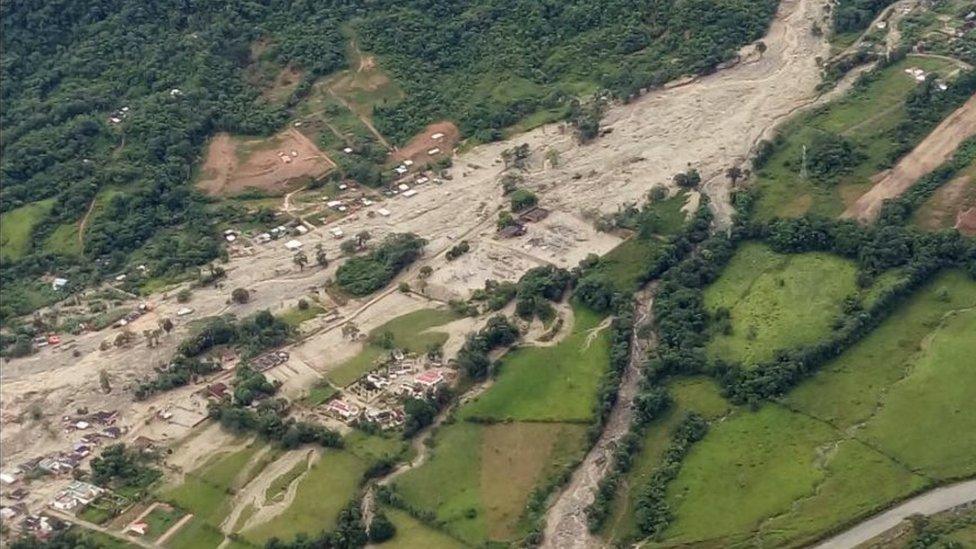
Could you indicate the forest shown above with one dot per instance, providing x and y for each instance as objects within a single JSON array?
[{"x": 107, "y": 103}]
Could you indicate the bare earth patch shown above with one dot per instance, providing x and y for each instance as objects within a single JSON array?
[
  {"x": 953, "y": 205},
  {"x": 935, "y": 149},
  {"x": 270, "y": 165},
  {"x": 418, "y": 147}
]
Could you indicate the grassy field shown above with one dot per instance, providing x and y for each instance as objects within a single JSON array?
[
  {"x": 847, "y": 390},
  {"x": 625, "y": 264},
  {"x": 885, "y": 419},
  {"x": 777, "y": 301},
  {"x": 867, "y": 115},
  {"x": 928, "y": 419},
  {"x": 278, "y": 486},
  {"x": 749, "y": 467},
  {"x": 162, "y": 519},
  {"x": 199, "y": 534},
  {"x": 411, "y": 332},
  {"x": 479, "y": 477},
  {"x": 206, "y": 491},
  {"x": 331, "y": 483},
  {"x": 295, "y": 316},
  {"x": 697, "y": 394},
  {"x": 557, "y": 383},
  {"x": 64, "y": 240},
  {"x": 16, "y": 226},
  {"x": 410, "y": 532}
]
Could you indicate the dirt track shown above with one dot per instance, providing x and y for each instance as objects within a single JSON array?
[{"x": 935, "y": 149}]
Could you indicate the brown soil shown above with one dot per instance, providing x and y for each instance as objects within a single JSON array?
[
  {"x": 949, "y": 205},
  {"x": 233, "y": 166},
  {"x": 417, "y": 148},
  {"x": 513, "y": 457},
  {"x": 966, "y": 222},
  {"x": 935, "y": 149}
]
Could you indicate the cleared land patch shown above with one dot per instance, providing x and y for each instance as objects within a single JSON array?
[
  {"x": 16, "y": 226},
  {"x": 557, "y": 383},
  {"x": 273, "y": 165},
  {"x": 776, "y": 301},
  {"x": 952, "y": 206}
]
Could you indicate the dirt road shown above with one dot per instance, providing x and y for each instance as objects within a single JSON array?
[
  {"x": 566, "y": 520},
  {"x": 935, "y": 149},
  {"x": 929, "y": 503}
]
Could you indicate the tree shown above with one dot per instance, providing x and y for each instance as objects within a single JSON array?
[
  {"x": 184, "y": 295},
  {"x": 240, "y": 295},
  {"x": 301, "y": 260},
  {"x": 761, "y": 47},
  {"x": 733, "y": 174},
  {"x": 167, "y": 325},
  {"x": 362, "y": 237},
  {"x": 523, "y": 200},
  {"x": 425, "y": 272},
  {"x": 419, "y": 414},
  {"x": 320, "y": 257},
  {"x": 688, "y": 180},
  {"x": 349, "y": 247},
  {"x": 381, "y": 529}
]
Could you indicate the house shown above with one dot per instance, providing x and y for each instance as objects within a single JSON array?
[
  {"x": 64, "y": 502},
  {"x": 301, "y": 229},
  {"x": 184, "y": 311},
  {"x": 433, "y": 151},
  {"x": 59, "y": 283},
  {"x": 408, "y": 162},
  {"x": 336, "y": 232},
  {"x": 293, "y": 245},
  {"x": 139, "y": 528},
  {"x": 422, "y": 179},
  {"x": 437, "y": 136},
  {"x": 8, "y": 478},
  {"x": 104, "y": 417},
  {"x": 411, "y": 192},
  {"x": 7, "y": 513},
  {"x": 534, "y": 215},
  {"x": 84, "y": 492},
  {"x": 384, "y": 212},
  {"x": 217, "y": 390},
  {"x": 111, "y": 432},
  {"x": 430, "y": 380},
  {"x": 143, "y": 444},
  {"x": 403, "y": 187},
  {"x": 342, "y": 410},
  {"x": 512, "y": 231},
  {"x": 19, "y": 494}
]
